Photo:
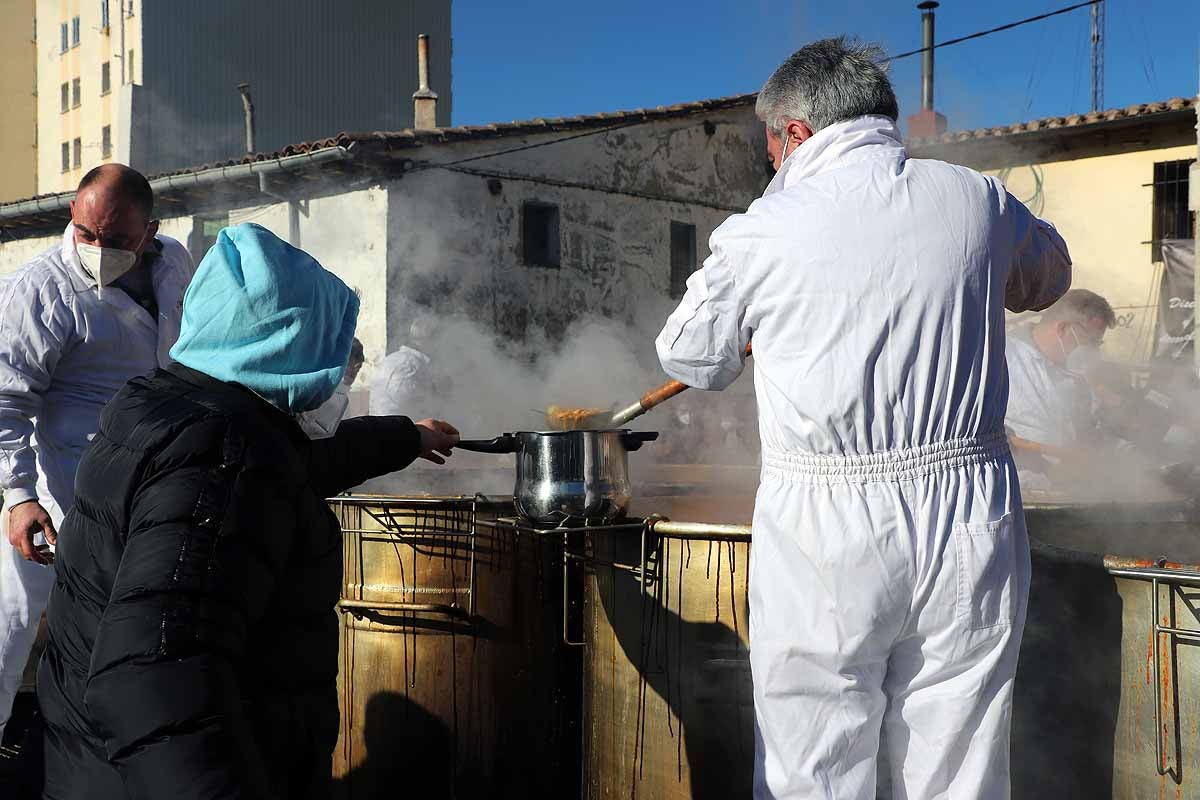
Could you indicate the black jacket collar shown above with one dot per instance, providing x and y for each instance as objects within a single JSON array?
[{"x": 239, "y": 397}]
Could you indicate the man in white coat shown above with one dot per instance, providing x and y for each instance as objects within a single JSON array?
[
  {"x": 76, "y": 323},
  {"x": 890, "y": 566},
  {"x": 1051, "y": 406}
]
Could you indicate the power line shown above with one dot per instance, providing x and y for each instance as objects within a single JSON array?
[
  {"x": 643, "y": 120},
  {"x": 980, "y": 34},
  {"x": 1098, "y": 56},
  {"x": 523, "y": 147},
  {"x": 564, "y": 184}
]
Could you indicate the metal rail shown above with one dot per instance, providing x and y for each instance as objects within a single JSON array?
[
  {"x": 1174, "y": 633},
  {"x": 566, "y": 595},
  {"x": 1152, "y": 574},
  {"x": 386, "y": 516},
  {"x": 351, "y": 606},
  {"x": 702, "y": 531}
]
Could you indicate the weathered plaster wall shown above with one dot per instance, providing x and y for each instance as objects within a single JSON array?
[
  {"x": 450, "y": 241},
  {"x": 345, "y": 232},
  {"x": 1103, "y": 207},
  {"x": 15, "y": 252},
  {"x": 454, "y": 238}
]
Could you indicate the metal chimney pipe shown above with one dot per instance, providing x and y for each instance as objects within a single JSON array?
[
  {"x": 927, "y": 8},
  {"x": 424, "y": 98},
  {"x": 248, "y": 109},
  {"x": 423, "y": 62}
]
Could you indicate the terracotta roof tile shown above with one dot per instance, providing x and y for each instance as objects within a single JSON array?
[{"x": 1069, "y": 121}]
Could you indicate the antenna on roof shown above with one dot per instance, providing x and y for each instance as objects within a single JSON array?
[{"x": 1098, "y": 55}]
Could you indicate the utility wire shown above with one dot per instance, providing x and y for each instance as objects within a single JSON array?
[
  {"x": 562, "y": 184},
  {"x": 641, "y": 121},
  {"x": 520, "y": 148},
  {"x": 980, "y": 34}
]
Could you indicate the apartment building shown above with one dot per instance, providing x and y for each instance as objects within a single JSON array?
[
  {"x": 87, "y": 60},
  {"x": 154, "y": 83},
  {"x": 18, "y": 93}
]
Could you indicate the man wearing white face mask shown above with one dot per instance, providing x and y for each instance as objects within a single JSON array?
[
  {"x": 1050, "y": 405},
  {"x": 890, "y": 567},
  {"x": 76, "y": 323}
]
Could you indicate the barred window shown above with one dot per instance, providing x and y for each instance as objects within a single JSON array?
[{"x": 1172, "y": 219}]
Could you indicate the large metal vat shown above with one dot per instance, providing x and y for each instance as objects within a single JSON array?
[
  {"x": 1106, "y": 704},
  {"x": 668, "y": 710},
  {"x": 452, "y": 680},
  {"x": 1098, "y": 681}
]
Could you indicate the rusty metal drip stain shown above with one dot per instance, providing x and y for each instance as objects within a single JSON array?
[
  {"x": 665, "y": 650},
  {"x": 717, "y": 590},
  {"x": 679, "y": 662},
  {"x": 639, "y": 735}
]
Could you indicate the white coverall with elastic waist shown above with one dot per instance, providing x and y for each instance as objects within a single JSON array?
[
  {"x": 66, "y": 347},
  {"x": 890, "y": 565}
]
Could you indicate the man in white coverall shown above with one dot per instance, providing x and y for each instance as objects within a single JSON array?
[
  {"x": 890, "y": 564},
  {"x": 76, "y": 323},
  {"x": 405, "y": 379},
  {"x": 1050, "y": 403}
]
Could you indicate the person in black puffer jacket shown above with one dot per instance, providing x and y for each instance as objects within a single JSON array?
[{"x": 193, "y": 639}]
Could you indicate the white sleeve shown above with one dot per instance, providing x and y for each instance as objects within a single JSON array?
[
  {"x": 704, "y": 341},
  {"x": 30, "y": 348},
  {"x": 399, "y": 382},
  {"x": 1040, "y": 270}
]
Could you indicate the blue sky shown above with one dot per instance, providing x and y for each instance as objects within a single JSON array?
[{"x": 542, "y": 59}]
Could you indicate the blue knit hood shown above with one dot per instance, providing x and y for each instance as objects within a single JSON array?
[{"x": 266, "y": 315}]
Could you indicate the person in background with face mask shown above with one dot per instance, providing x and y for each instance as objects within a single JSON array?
[
  {"x": 193, "y": 637},
  {"x": 408, "y": 377},
  {"x": 76, "y": 323},
  {"x": 1051, "y": 408}
]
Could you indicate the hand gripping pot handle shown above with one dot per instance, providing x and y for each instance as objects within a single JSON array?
[
  {"x": 633, "y": 440},
  {"x": 506, "y": 443}
]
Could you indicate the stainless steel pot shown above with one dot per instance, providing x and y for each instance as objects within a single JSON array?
[{"x": 569, "y": 477}]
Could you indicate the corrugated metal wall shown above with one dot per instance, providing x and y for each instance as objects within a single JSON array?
[{"x": 315, "y": 68}]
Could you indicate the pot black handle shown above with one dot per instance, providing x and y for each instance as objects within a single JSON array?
[
  {"x": 633, "y": 440},
  {"x": 501, "y": 444}
]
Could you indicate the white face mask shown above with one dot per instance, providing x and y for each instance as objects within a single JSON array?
[
  {"x": 322, "y": 422},
  {"x": 1084, "y": 358},
  {"x": 106, "y": 264},
  {"x": 783, "y": 155}
]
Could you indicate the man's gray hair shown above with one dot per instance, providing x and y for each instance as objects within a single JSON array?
[
  {"x": 826, "y": 82},
  {"x": 1081, "y": 305}
]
